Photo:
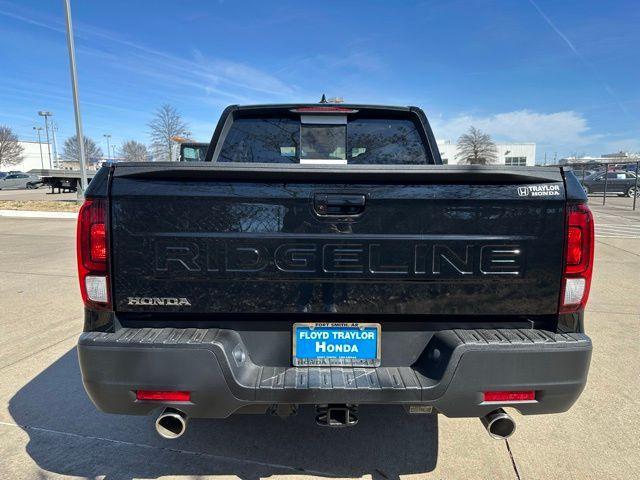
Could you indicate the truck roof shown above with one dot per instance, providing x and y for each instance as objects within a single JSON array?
[
  {"x": 335, "y": 107},
  {"x": 234, "y": 111}
]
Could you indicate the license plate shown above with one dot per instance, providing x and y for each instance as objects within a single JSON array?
[{"x": 336, "y": 344}]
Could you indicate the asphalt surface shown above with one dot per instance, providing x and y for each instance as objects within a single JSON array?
[
  {"x": 49, "y": 428},
  {"x": 42, "y": 193}
]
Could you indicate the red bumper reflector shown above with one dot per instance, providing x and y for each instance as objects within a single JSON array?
[
  {"x": 163, "y": 396},
  {"x": 504, "y": 396}
]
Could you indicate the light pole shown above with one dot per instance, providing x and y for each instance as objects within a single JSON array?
[
  {"x": 39, "y": 129},
  {"x": 46, "y": 116},
  {"x": 74, "y": 90},
  {"x": 108, "y": 136},
  {"x": 54, "y": 129}
]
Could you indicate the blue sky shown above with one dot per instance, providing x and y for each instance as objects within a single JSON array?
[{"x": 565, "y": 75}]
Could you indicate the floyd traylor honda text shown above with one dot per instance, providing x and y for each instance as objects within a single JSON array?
[{"x": 322, "y": 254}]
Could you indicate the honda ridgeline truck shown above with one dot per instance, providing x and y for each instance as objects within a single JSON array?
[{"x": 324, "y": 255}]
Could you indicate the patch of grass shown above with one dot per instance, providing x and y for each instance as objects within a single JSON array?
[{"x": 40, "y": 205}]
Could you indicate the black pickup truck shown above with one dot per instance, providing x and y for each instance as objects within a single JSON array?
[{"x": 322, "y": 255}]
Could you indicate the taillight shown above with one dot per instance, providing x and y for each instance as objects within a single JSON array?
[
  {"x": 93, "y": 254},
  {"x": 98, "y": 242},
  {"x": 578, "y": 261}
]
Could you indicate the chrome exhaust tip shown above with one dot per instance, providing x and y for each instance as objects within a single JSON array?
[
  {"x": 499, "y": 424},
  {"x": 171, "y": 423}
]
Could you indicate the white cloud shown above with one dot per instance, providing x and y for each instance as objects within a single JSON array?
[
  {"x": 622, "y": 144},
  {"x": 215, "y": 76},
  {"x": 521, "y": 126},
  {"x": 564, "y": 132},
  {"x": 239, "y": 75},
  {"x": 360, "y": 61}
]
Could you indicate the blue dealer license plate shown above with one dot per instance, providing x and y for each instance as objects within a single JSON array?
[{"x": 336, "y": 344}]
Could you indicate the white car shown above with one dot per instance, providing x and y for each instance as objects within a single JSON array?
[{"x": 20, "y": 180}]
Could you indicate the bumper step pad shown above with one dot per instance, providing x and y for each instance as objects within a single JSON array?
[{"x": 454, "y": 369}]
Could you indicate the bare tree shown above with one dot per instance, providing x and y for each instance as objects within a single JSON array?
[
  {"x": 133, "y": 151},
  {"x": 71, "y": 150},
  {"x": 10, "y": 148},
  {"x": 476, "y": 148},
  {"x": 166, "y": 124}
]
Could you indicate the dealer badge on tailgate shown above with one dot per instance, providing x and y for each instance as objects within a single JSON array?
[{"x": 336, "y": 344}]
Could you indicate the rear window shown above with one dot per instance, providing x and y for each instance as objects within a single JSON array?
[
  {"x": 323, "y": 142},
  {"x": 262, "y": 140},
  {"x": 381, "y": 141},
  {"x": 358, "y": 141}
]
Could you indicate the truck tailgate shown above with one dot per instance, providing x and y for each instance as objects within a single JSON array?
[{"x": 431, "y": 241}]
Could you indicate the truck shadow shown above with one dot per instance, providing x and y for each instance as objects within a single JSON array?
[{"x": 67, "y": 435}]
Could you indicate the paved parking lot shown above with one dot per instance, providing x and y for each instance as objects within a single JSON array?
[
  {"x": 49, "y": 428},
  {"x": 42, "y": 193}
]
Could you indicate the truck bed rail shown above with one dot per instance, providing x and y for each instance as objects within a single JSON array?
[{"x": 474, "y": 174}]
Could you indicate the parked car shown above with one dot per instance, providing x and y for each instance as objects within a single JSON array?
[
  {"x": 583, "y": 173},
  {"x": 620, "y": 182},
  {"x": 323, "y": 255},
  {"x": 19, "y": 180}
]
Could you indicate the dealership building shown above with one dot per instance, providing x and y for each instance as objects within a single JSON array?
[
  {"x": 35, "y": 156},
  {"x": 31, "y": 158},
  {"x": 510, "y": 154}
]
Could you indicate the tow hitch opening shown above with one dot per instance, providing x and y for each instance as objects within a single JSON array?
[{"x": 337, "y": 415}]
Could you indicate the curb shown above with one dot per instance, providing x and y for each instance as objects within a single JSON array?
[{"x": 37, "y": 214}]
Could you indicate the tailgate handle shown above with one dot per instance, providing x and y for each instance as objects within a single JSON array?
[{"x": 339, "y": 205}]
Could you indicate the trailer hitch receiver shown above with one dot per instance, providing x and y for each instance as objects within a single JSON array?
[{"x": 337, "y": 415}]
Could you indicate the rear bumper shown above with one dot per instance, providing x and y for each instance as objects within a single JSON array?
[{"x": 450, "y": 375}]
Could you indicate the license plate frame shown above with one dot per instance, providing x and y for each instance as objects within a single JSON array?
[{"x": 337, "y": 360}]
